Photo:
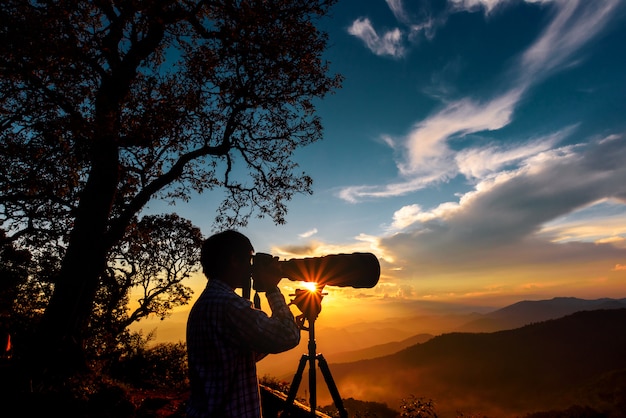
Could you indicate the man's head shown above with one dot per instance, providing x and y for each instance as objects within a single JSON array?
[{"x": 227, "y": 256}]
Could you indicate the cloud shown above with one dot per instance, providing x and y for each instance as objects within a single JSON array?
[
  {"x": 576, "y": 22},
  {"x": 487, "y": 5},
  {"x": 388, "y": 44},
  {"x": 355, "y": 194},
  {"x": 506, "y": 218},
  {"x": 426, "y": 147},
  {"x": 526, "y": 217},
  {"x": 518, "y": 232},
  {"x": 308, "y": 233},
  {"x": 601, "y": 221},
  {"x": 481, "y": 162},
  {"x": 427, "y": 157},
  {"x": 397, "y": 8},
  {"x": 476, "y": 163},
  {"x": 411, "y": 214},
  {"x": 474, "y": 5},
  {"x": 363, "y": 243}
]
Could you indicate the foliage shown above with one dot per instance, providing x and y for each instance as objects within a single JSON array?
[
  {"x": 414, "y": 407},
  {"x": 148, "y": 269},
  {"x": 14, "y": 266},
  {"x": 575, "y": 411},
  {"x": 362, "y": 409},
  {"x": 106, "y": 105},
  {"x": 275, "y": 383},
  {"x": 160, "y": 366},
  {"x": 157, "y": 254}
]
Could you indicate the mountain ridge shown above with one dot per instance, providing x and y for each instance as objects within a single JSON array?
[
  {"x": 540, "y": 366},
  {"x": 529, "y": 311},
  {"x": 380, "y": 350}
]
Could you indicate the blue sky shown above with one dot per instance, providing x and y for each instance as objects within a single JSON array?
[{"x": 477, "y": 147}]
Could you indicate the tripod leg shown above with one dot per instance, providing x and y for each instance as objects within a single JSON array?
[
  {"x": 293, "y": 389},
  {"x": 332, "y": 387}
]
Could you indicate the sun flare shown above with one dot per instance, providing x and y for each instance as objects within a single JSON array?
[{"x": 310, "y": 286}]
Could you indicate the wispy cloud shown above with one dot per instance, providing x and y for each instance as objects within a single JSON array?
[
  {"x": 390, "y": 43},
  {"x": 427, "y": 157},
  {"x": 496, "y": 233},
  {"x": 601, "y": 222},
  {"x": 397, "y": 8},
  {"x": 395, "y": 42},
  {"x": 576, "y": 22},
  {"x": 309, "y": 233},
  {"x": 501, "y": 214},
  {"x": 489, "y": 6},
  {"x": 473, "y": 5},
  {"x": 481, "y": 162},
  {"x": 355, "y": 194},
  {"x": 426, "y": 144}
]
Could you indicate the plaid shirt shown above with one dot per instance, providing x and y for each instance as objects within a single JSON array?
[{"x": 226, "y": 336}]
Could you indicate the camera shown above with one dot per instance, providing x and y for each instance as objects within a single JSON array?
[{"x": 358, "y": 270}]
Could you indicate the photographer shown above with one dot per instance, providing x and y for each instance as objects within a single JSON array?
[{"x": 226, "y": 335}]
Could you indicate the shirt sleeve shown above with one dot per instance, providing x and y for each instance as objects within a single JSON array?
[{"x": 254, "y": 330}]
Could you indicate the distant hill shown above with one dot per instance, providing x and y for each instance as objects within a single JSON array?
[
  {"x": 528, "y": 312},
  {"x": 579, "y": 359},
  {"x": 379, "y": 350}
]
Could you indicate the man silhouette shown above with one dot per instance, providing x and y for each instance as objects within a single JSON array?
[{"x": 226, "y": 335}]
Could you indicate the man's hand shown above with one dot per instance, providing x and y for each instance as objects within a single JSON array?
[{"x": 266, "y": 272}]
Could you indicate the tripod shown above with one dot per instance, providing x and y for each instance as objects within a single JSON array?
[{"x": 310, "y": 303}]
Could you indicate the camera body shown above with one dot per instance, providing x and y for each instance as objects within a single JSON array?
[{"x": 358, "y": 270}]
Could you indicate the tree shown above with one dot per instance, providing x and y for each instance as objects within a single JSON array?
[
  {"x": 106, "y": 105},
  {"x": 157, "y": 254},
  {"x": 13, "y": 273}
]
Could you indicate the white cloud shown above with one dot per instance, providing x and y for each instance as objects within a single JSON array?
[
  {"x": 576, "y": 22},
  {"x": 487, "y": 5},
  {"x": 480, "y": 162},
  {"x": 389, "y": 44},
  {"x": 543, "y": 198},
  {"x": 411, "y": 214},
  {"x": 601, "y": 221},
  {"x": 362, "y": 243},
  {"x": 406, "y": 216},
  {"x": 354, "y": 194},
  {"x": 426, "y": 144},
  {"x": 473, "y": 5},
  {"x": 523, "y": 220},
  {"x": 397, "y": 8},
  {"x": 308, "y": 233},
  {"x": 428, "y": 158},
  {"x": 562, "y": 181}
]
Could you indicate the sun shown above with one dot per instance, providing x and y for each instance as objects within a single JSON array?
[{"x": 310, "y": 286}]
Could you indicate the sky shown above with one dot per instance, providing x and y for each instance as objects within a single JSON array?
[{"x": 477, "y": 148}]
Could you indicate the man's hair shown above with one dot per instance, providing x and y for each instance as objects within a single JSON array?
[{"x": 218, "y": 249}]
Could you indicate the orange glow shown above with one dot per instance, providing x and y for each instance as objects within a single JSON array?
[{"x": 310, "y": 286}]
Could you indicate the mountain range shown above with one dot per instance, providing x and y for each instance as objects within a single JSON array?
[
  {"x": 509, "y": 317},
  {"x": 543, "y": 364},
  {"x": 527, "y": 312}
]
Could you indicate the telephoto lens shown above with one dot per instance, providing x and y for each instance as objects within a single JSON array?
[{"x": 358, "y": 270}]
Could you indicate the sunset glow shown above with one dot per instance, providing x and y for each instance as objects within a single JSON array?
[
  {"x": 310, "y": 286},
  {"x": 480, "y": 170}
]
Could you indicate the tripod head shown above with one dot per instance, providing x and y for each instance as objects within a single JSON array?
[{"x": 310, "y": 304}]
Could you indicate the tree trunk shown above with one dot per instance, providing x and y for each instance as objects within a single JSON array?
[{"x": 68, "y": 312}]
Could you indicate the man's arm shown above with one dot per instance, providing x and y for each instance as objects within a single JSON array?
[{"x": 261, "y": 333}]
